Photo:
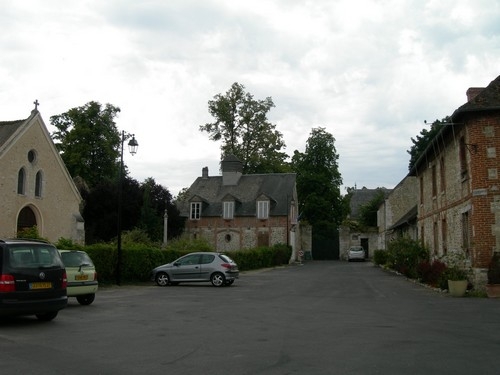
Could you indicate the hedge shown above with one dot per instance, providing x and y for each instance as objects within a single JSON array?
[{"x": 138, "y": 260}]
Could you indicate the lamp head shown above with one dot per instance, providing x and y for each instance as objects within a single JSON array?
[{"x": 133, "y": 145}]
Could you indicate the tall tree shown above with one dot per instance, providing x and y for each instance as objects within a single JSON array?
[
  {"x": 157, "y": 199},
  {"x": 319, "y": 180},
  {"x": 422, "y": 141},
  {"x": 241, "y": 124},
  {"x": 89, "y": 141},
  {"x": 101, "y": 209}
]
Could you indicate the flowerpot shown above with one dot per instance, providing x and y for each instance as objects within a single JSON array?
[
  {"x": 457, "y": 288},
  {"x": 493, "y": 290}
]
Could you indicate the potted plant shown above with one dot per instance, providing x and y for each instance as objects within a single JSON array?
[
  {"x": 456, "y": 274},
  {"x": 493, "y": 286},
  {"x": 457, "y": 281}
]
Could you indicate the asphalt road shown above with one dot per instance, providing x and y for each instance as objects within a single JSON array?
[{"x": 319, "y": 318}]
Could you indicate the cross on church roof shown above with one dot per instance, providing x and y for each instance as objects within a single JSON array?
[{"x": 36, "y": 104}]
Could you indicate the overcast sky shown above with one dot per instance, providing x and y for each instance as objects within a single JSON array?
[{"x": 369, "y": 71}]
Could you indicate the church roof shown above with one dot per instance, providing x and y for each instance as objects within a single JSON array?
[{"x": 8, "y": 128}]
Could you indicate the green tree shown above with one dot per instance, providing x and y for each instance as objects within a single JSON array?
[
  {"x": 368, "y": 211},
  {"x": 101, "y": 209},
  {"x": 157, "y": 199},
  {"x": 422, "y": 141},
  {"x": 319, "y": 180},
  {"x": 241, "y": 124},
  {"x": 89, "y": 141}
]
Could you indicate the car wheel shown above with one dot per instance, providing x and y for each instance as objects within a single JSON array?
[
  {"x": 46, "y": 317},
  {"x": 162, "y": 279},
  {"x": 217, "y": 279},
  {"x": 86, "y": 299}
]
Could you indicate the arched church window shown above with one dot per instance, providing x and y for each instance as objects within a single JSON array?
[
  {"x": 38, "y": 184},
  {"x": 21, "y": 178}
]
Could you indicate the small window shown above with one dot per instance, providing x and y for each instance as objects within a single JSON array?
[
  {"x": 228, "y": 208},
  {"x": 38, "y": 184},
  {"x": 195, "y": 211},
  {"x": 463, "y": 157},
  {"x": 442, "y": 174},
  {"x": 434, "y": 181},
  {"x": 262, "y": 209},
  {"x": 21, "y": 177},
  {"x": 31, "y": 156}
]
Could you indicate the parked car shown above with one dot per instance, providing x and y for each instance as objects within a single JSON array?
[
  {"x": 217, "y": 268},
  {"x": 32, "y": 279},
  {"x": 356, "y": 253},
  {"x": 82, "y": 276}
]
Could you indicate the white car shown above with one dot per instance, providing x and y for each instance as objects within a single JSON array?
[
  {"x": 81, "y": 274},
  {"x": 356, "y": 253}
]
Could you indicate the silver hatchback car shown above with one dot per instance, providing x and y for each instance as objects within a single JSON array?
[
  {"x": 217, "y": 268},
  {"x": 356, "y": 253}
]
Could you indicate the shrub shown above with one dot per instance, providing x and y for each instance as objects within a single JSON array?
[
  {"x": 494, "y": 269},
  {"x": 404, "y": 254},
  {"x": 67, "y": 244},
  {"x": 187, "y": 245},
  {"x": 31, "y": 232},
  {"x": 430, "y": 272},
  {"x": 380, "y": 257},
  {"x": 139, "y": 259}
]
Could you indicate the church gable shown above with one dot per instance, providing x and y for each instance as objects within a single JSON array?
[{"x": 35, "y": 183}]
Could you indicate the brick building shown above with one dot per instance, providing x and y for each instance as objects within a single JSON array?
[
  {"x": 35, "y": 186},
  {"x": 236, "y": 211},
  {"x": 459, "y": 185}
]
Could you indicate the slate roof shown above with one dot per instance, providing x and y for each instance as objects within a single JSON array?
[
  {"x": 8, "y": 128},
  {"x": 361, "y": 197},
  {"x": 409, "y": 218},
  {"x": 487, "y": 100},
  {"x": 277, "y": 187}
]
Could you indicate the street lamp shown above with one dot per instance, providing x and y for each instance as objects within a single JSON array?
[{"x": 132, "y": 147}]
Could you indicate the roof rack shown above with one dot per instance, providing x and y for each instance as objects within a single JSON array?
[{"x": 25, "y": 239}]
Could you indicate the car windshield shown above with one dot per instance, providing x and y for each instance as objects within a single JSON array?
[
  {"x": 76, "y": 259},
  {"x": 33, "y": 256},
  {"x": 356, "y": 249}
]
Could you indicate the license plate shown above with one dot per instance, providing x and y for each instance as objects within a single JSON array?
[
  {"x": 41, "y": 285},
  {"x": 81, "y": 277}
]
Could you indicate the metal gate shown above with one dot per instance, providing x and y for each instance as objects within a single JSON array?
[{"x": 325, "y": 247}]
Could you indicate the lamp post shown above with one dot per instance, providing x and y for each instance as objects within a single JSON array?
[{"x": 132, "y": 146}]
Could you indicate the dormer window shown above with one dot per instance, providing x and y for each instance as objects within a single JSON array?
[
  {"x": 228, "y": 210},
  {"x": 195, "y": 211},
  {"x": 262, "y": 210}
]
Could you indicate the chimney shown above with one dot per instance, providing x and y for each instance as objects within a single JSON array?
[
  {"x": 204, "y": 172},
  {"x": 472, "y": 92},
  {"x": 232, "y": 169}
]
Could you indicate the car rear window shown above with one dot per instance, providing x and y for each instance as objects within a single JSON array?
[
  {"x": 33, "y": 256},
  {"x": 225, "y": 258},
  {"x": 76, "y": 259}
]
